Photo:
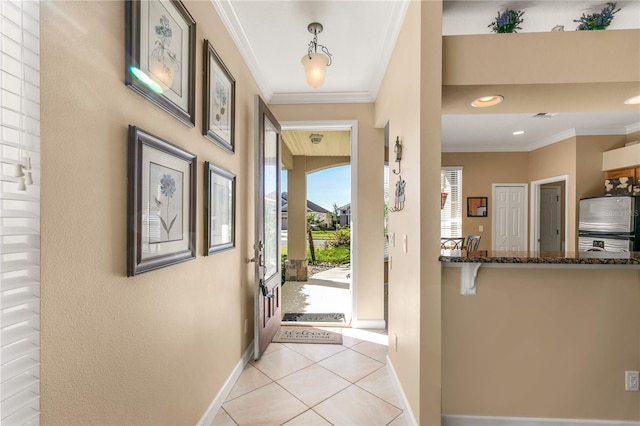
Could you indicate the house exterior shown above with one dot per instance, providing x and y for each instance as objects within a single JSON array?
[
  {"x": 344, "y": 216},
  {"x": 159, "y": 347},
  {"x": 321, "y": 214}
]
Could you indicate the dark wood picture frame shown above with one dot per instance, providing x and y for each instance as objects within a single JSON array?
[
  {"x": 219, "y": 209},
  {"x": 161, "y": 203},
  {"x": 162, "y": 70},
  {"x": 477, "y": 207},
  {"x": 218, "y": 100}
]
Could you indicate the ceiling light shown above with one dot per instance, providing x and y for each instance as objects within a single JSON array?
[
  {"x": 518, "y": 132},
  {"x": 487, "y": 101},
  {"x": 635, "y": 100},
  {"x": 315, "y": 138},
  {"x": 315, "y": 64}
]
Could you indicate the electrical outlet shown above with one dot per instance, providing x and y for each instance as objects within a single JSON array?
[
  {"x": 395, "y": 341},
  {"x": 481, "y": 228},
  {"x": 404, "y": 243},
  {"x": 632, "y": 381}
]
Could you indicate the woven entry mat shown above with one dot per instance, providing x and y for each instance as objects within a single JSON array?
[
  {"x": 293, "y": 334},
  {"x": 311, "y": 317}
]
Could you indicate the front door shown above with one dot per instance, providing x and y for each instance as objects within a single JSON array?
[{"x": 267, "y": 245}]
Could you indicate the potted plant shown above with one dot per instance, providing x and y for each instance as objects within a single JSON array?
[
  {"x": 597, "y": 21},
  {"x": 507, "y": 21}
]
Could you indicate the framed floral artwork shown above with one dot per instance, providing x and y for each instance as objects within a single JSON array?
[
  {"x": 160, "y": 38},
  {"x": 161, "y": 203},
  {"x": 218, "y": 100},
  {"x": 219, "y": 209}
]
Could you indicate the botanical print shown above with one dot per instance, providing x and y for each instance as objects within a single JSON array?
[
  {"x": 166, "y": 52},
  {"x": 219, "y": 105},
  {"x": 221, "y": 225},
  {"x": 165, "y": 200}
]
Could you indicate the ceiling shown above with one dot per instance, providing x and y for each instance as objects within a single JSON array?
[
  {"x": 272, "y": 37},
  {"x": 333, "y": 143}
]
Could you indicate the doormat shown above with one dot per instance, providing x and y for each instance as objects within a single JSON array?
[
  {"x": 331, "y": 317},
  {"x": 293, "y": 334}
]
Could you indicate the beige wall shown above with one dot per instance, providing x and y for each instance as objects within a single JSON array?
[
  {"x": 155, "y": 348},
  {"x": 549, "y": 343},
  {"x": 368, "y": 225},
  {"x": 409, "y": 101},
  {"x": 479, "y": 171}
]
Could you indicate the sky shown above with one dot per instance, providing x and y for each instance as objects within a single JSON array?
[{"x": 327, "y": 187}]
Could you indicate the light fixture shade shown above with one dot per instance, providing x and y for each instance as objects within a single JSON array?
[{"x": 315, "y": 67}]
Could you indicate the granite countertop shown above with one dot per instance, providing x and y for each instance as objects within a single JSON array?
[{"x": 571, "y": 258}]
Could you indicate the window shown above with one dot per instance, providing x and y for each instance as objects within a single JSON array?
[
  {"x": 20, "y": 213},
  {"x": 451, "y": 212}
]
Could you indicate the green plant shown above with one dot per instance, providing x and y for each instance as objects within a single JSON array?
[
  {"x": 597, "y": 21},
  {"x": 341, "y": 238},
  {"x": 283, "y": 272},
  {"x": 507, "y": 21}
]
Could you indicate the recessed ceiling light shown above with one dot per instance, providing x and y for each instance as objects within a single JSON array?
[
  {"x": 635, "y": 100},
  {"x": 487, "y": 101},
  {"x": 519, "y": 132}
]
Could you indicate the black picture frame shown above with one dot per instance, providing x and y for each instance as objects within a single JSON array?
[
  {"x": 160, "y": 43},
  {"x": 477, "y": 207},
  {"x": 161, "y": 203},
  {"x": 218, "y": 100},
  {"x": 219, "y": 209}
]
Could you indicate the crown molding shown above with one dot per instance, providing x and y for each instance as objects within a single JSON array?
[
  {"x": 392, "y": 31},
  {"x": 321, "y": 98},
  {"x": 558, "y": 137},
  {"x": 231, "y": 22}
]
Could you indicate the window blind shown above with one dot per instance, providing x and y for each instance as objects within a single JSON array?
[
  {"x": 451, "y": 213},
  {"x": 20, "y": 213}
]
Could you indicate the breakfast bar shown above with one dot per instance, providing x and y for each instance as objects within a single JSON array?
[{"x": 470, "y": 262}]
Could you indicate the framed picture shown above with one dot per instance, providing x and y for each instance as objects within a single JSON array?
[
  {"x": 160, "y": 37},
  {"x": 218, "y": 100},
  {"x": 161, "y": 203},
  {"x": 477, "y": 207},
  {"x": 219, "y": 209}
]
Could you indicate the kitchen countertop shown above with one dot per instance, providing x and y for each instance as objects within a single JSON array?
[{"x": 570, "y": 258}]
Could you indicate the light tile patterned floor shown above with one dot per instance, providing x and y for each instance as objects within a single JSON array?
[{"x": 317, "y": 384}]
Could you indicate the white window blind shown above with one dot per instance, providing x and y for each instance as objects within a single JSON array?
[
  {"x": 451, "y": 213},
  {"x": 20, "y": 213}
]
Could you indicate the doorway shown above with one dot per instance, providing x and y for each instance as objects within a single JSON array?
[
  {"x": 542, "y": 209},
  {"x": 319, "y": 159}
]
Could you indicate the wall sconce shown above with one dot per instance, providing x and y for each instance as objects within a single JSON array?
[
  {"x": 398, "y": 151},
  {"x": 315, "y": 64}
]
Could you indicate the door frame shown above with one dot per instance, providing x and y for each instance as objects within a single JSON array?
[
  {"x": 535, "y": 210},
  {"x": 557, "y": 191},
  {"x": 494, "y": 216},
  {"x": 352, "y": 126}
]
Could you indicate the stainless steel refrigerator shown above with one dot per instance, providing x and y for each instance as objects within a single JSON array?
[{"x": 610, "y": 223}]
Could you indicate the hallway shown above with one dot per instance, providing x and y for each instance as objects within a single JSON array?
[{"x": 317, "y": 384}]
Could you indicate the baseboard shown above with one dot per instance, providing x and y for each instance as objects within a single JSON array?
[
  {"x": 216, "y": 404},
  {"x": 410, "y": 418},
  {"x": 379, "y": 324},
  {"x": 453, "y": 420}
]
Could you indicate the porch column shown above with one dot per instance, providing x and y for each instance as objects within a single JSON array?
[{"x": 296, "y": 266}]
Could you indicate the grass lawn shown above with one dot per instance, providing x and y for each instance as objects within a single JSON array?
[
  {"x": 339, "y": 255},
  {"x": 323, "y": 235}
]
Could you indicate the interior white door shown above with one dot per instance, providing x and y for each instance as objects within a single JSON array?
[
  {"x": 550, "y": 239},
  {"x": 510, "y": 217}
]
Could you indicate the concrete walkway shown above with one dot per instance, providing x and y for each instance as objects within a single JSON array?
[{"x": 327, "y": 291}]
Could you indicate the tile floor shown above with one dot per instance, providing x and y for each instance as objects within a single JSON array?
[{"x": 317, "y": 384}]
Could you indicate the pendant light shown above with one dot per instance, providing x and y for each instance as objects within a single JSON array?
[{"x": 315, "y": 64}]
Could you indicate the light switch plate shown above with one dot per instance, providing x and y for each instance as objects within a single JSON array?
[
  {"x": 481, "y": 228},
  {"x": 404, "y": 243}
]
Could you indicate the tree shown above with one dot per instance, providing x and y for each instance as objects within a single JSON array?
[{"x": 312, "y": 223}]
